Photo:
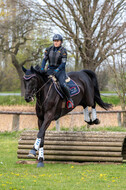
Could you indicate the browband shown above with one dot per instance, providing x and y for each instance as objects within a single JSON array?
[{"x": 27, "y": 77}]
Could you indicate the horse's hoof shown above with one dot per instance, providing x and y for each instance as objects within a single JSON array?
[
  {"x": 89, "y": 122},
  {"x": 32, "y": 154},
  {"x": 96, "y": 121},
  {"x": 40, "y": 164}
]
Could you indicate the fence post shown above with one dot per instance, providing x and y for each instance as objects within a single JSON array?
[
  {"x": 119, "y": 119},
  {"x": 71, "y": 123},
  {"x": 57, "y": 125},
  {"x": 15, "y": 122}
]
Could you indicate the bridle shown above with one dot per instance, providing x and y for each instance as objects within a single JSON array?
[{"x": 34, "y": 92}]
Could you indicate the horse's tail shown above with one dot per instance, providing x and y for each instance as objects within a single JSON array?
[{"x": 97, "y": 96}]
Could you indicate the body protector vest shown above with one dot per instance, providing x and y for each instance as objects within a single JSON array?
[{"x": 55, "y": 58}]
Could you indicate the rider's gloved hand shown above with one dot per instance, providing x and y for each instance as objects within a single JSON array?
[
  {"x": 42, "y": 70},
  {"x": 55, "y": 72}
]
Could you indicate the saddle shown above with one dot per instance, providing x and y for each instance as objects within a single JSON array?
[{"x": 73, "y": 87}]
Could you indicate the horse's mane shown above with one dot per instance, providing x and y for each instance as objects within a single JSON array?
[{"x": 43, "y": 74}]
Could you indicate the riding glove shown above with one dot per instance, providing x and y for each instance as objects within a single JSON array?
[{"x": 56, "y": 72}]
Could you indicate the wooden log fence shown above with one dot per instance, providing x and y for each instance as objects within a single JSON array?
[
  {"x": 77, "y": 146},
  {"x": 16, "y": 117}
]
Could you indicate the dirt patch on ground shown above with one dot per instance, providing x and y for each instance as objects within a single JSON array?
[
  {"x": 18, "y": 108},
  {"x": 69, "y": 121}
]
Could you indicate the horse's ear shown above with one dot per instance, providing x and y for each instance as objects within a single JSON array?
[
  {"x": 24, "y": 70},
  {"x": 32, "y": 69},
  {"x": 37, "y": 69}
]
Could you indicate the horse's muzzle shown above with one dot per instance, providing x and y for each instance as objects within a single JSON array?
[{"x": 29, "y": 99}]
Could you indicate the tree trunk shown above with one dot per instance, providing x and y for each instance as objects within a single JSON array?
[
  {"x": 22, "y": 86},
  {"x": 76, "y": 61},
  {"x": 89, "y": 65},
  {"x": 19, "y": 71},
  {"x": 20, "y": 74}
]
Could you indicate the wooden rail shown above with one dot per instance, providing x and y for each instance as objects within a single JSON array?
[
  {"x": 16, "y": 117},
  {"x": 77, "y": 146}
]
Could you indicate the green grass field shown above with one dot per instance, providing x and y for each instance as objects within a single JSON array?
[
  {"x": 55, "y": 176},
  {"x": 13, "y": 100},
  {"x": 111, "y": 99},
  {"x": 17, "y": 100}
]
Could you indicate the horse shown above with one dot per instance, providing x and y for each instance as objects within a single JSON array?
[{"x": 49, "y": 104}]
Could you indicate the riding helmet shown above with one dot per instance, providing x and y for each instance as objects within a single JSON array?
[{"x": 58, "y": 37}]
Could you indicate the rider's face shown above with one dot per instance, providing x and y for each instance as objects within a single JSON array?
[{"x": 57, "y": 43}]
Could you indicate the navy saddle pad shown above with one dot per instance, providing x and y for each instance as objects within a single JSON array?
[{"x": 74, "y": 88}]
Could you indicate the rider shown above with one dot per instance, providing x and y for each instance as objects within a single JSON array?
[{"x": 57, "y": 57}]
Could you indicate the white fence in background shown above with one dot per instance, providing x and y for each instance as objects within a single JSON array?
[{"x": 16, "y": 117}]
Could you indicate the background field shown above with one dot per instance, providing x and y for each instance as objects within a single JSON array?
[
  {"x": 55, "y": 176},
  {"x": 18, "y": 100}
]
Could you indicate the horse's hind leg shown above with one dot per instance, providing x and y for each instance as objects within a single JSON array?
[
  {"x": 87, "y": 118},
  {"x": 95, "y": 120}
]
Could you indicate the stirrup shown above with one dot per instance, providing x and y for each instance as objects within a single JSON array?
[{"x": 70, "y": 104}]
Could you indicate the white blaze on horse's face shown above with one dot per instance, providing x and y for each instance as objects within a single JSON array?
[{"x": 30, "y": 89}]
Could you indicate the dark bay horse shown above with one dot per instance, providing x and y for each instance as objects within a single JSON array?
[{"x": 49, "y": 104}]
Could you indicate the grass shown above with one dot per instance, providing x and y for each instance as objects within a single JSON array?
[
  {"x": 18, "y": 100},
  {"x": 55, "y": 176},
  {"x": 109, "y": 128},
  {"x": 11, "y": 91},
  {"x": 106, "y": 92},
  {"x": 13, "y": 100},
  {"x": 111, "y": 100},
  {"x": 84, "y": 128}
]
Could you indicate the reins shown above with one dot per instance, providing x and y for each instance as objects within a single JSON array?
[
  {"x": 41, "y": 87},
  {"x": 47, "y": 94}
]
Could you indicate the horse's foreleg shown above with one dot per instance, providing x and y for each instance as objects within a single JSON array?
[
  {"x": 32, "y": 153},
  {"x": 41, "y": 135}
]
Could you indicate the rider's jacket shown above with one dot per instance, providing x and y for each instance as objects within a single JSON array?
[{"x": 55, "y": 56}]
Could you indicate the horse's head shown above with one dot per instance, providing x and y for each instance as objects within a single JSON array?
[{"x": 30, "y": 82}]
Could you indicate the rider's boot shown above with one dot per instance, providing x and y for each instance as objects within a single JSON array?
[{"x": 70, "y": 103}]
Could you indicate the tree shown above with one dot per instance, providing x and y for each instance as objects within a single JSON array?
[
  {"x": 103, "y": 76},
  {"x": 9, "y": 82},
  {"x": 93, "y": 26},
  {"x": 117, "y": 66},
  {"x": 18, "y": 28}
]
